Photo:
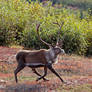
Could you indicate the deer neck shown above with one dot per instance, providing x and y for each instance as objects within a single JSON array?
[
  {"x": 52, "y": 53},
  {"x": 51, "y": 56}
]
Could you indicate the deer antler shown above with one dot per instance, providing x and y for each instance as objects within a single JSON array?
[
  {"x": 37, "y": 28},
  {"x": 60, "y": 26}
]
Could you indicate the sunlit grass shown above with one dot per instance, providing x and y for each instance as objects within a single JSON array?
[
  {"x": 22, "y": 78},
  {"x": 79, "y": 88}
]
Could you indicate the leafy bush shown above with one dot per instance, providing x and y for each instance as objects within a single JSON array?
[
  {"x": 18, "y": 21},
  {"x": 89, "y": 39}
]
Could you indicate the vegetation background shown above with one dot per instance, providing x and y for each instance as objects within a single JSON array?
[{"x": 18, "y": 20}]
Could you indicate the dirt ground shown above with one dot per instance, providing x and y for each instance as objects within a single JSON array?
[{"x": 75, "y": 70}]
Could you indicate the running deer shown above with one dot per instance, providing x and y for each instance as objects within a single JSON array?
[{"x": 39, "y": 58}]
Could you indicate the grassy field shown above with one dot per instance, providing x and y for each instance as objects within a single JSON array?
[{"x": 75, "y": 70}]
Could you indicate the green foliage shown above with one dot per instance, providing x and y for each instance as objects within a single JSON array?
[
  {"x": 89, "y": 39},
  {"x": 74, "y": 37},
  {"x": 18, "y": 21}
]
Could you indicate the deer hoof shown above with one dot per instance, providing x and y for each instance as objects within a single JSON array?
[
  {"x": 66, "y": 83},
  {"x": 38, "y": 79}
]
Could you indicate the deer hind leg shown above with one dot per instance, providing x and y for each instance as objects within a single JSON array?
[
  {"x": 52, "y": 70},
  {"x": 45, "y": 73},
  {"x": 34, "y": 70},
  {"x": 18, "y": 69}
]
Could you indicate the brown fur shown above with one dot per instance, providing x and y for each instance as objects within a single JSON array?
[{"x": 37, "y": 56}]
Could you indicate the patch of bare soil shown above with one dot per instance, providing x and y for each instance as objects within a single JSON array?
[{"x": 75, "y": 70}]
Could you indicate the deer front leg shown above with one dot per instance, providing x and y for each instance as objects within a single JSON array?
[
  {"x": 52, "y": 70},
  {"x": 45, "y": 73},
  {"x": 34, "y": 70},
  {"x": 18, "y": 69}
]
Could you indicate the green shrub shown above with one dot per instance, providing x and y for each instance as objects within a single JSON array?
[
  {"x": 14, "y": 16},
  {"x": 89, "y": 39},
  {"x": 18, "y": 21}
]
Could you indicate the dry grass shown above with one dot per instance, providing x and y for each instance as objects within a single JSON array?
[{"x": 76, "y": 70}]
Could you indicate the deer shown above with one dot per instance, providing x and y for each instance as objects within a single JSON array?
[{"x": 39, "y": 58}]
